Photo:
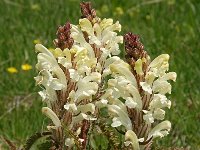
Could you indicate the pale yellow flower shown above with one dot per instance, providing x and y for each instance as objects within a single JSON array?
[
  {"x": 49, "y": 113},
  {"x": 26, "y": 67},
  {"x": 12, "y": 70}
]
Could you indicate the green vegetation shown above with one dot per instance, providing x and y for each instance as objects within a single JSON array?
[{"x": 165, "y": 26}]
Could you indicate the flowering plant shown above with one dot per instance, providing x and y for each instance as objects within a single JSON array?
[{"x": 90, "y": 91}]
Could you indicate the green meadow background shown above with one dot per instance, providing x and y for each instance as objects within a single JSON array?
[{"x": 165, "y": 26}]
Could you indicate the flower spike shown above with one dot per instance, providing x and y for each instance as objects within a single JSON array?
[{"x": 89, "y": 89}]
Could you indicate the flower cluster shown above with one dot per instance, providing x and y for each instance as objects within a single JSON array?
[{"x": 83, "y": 74}]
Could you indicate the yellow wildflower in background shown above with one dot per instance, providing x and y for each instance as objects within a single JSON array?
[
  {"x": 148, "y": 17},
  {"x": 118, "y": 11},
  {"x": 104, "y": 9},
  {"x": 12, "y": 70},
  {"x": 26, "y": 67},
  {"x": 171, "y": 2},
  {"x": 37, "y": 41},
  {"x": 35, "y": 7},
  {"x": 133, "y": 12}
]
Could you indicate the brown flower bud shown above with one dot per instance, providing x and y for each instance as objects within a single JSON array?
[
  {"x": 63, "y": 37},
  {"x": 134, "y": 51},
  {"x": 87, "y": 11},
  {"x": 133, "y": 47}
]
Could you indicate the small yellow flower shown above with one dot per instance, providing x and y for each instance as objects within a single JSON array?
[
  {"x": 12, "y": 70},
  {"x": 37, "y": 41},
  {"x": 148, "y": 17},
  {"x": 118, "y": 11},
  {"x": 171, "y": 2},
  {"x": 35, "y": 7},
  {"x": 133, "y": 12},
  {"x": 177, "y": 28},
  {"x": 26, "y": 67},
  {"x": 104, "y": 9}
]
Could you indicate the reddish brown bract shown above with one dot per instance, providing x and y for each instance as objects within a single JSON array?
[
  {"x": 63, "y": 37},
  {"x": 133, "y": 47},
  {"x": 87, "y": 11}
]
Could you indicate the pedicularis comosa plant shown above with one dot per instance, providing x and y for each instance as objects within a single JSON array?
[{"x": 96, "y": 100}]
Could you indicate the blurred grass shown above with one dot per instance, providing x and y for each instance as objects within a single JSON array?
[{"x": 165, "y": 26}]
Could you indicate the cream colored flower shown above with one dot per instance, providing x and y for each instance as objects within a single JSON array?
[
  {"x": 159, "y": 101},
  {"x": 46, "y": 64},
  {"x": 156, "y": 79},
  {"x": 69, "y": 142},
  {"x": 122, "y": 68},
  {"x": 131, "y": 138},
  {"x": 50, "y": 114},
  {"x": 85, "y": 92},
  {"x": 81, "y": 117},
  {"x": 148, "y": 117},
  {"x": 122, "y": 117},
  {"x": 160, "y": 130}
]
